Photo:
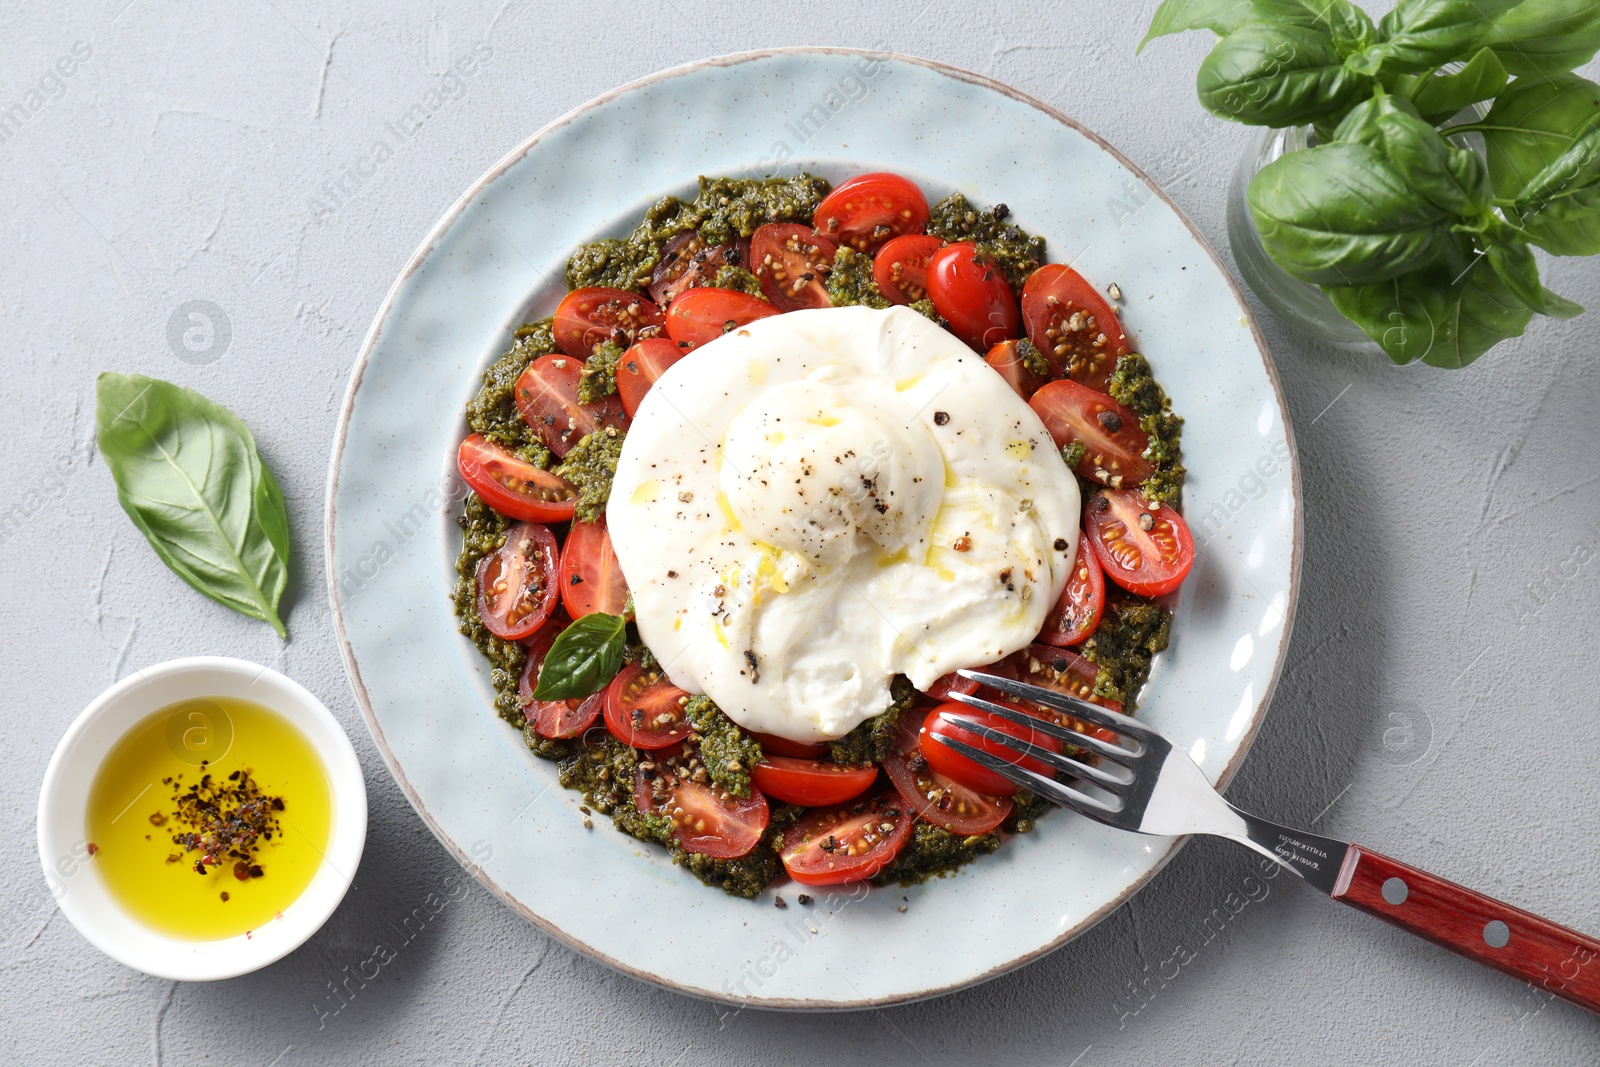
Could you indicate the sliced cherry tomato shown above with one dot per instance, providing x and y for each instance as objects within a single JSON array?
[
  {"x": 644, "y": 709},
  {"x": 972, "y": 296},
  {"x": 946, "y": 684},
  {"x": 686, "y": 262},
  {"x": 547, "y": 397},
  {"x": 773, "y": 745},
  {"x": 517, "y": 582},
  {"x": 869, "y": 209},
  {"x": 847, "y": 843},
  {"x": 706, "y": 819},
  {"x": 705, "y": 314},
  {"x": 591, "y": 575},
  {"x": 948, "y": 720},
  {"x": 554, "y": 718},
  {"x": 1113, "y": 444},
  {"x": 639, "y": 368},
  {"x": 1006, "y": 358},
  {"x": 1064, "y": 671},
  {"x": 900, "y": 269},
  {"x": 1144, "y": 546},
  {"x": 792, "y": 264},
  {"x": 938, "y": 800},
  {"x": 513, "y": 486},
  {"x": 587, "y": 317},
  {"x": 1082, "y": 601},
  {"x": 809, "y": 782},
  {"x": 1079, "y": 334}
]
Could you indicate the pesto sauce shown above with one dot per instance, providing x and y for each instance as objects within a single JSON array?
[
  {"x": 924, "y": 307},
  {"x": 850, "y": 282},
  {"x": 590, "y": 466},
  {"x": 873, "y": 740},
  {"x": 598, "y": 379},
  {"x": 1014, "y": 250},
  {"x": 1032, "y": 359},
  {"x": 724, "y": 208},
  {"x": 493, "y": 411},
  {"x": 933, "y": 851},
  {"x": 738, "y": 279},
  {"x": 484, "y": 531},
  {"x": 727, "y": 751},
  {"x": 1133, "y": 386},
  {"x": 1130, "y": 633}
]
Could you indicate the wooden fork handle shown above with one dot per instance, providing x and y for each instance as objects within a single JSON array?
[{"x": 1561, "y": 961}]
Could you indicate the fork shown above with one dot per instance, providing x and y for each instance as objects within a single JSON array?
[{"x": 1150, "y": 787}]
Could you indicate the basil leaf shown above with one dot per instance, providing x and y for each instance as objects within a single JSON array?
[
  {"x": 1443, "y": 315},
  {"x": 1533, "y": 122},
  {"x": 583, "y": 658},
  {"x": 1513, "y": 262},
  {"x": 1277, "y": 75},
  {"x": 1452, "y": 178},
  {"x": 1574, "y": 168},
  {"x": 1542, "y": 38},
  {"x": 1221, "y": 17},
  {"x": 1419, "y": 35},
  {"x": 1342, "y": 214},
  {"x": 1441, "y": 96},
  {"x": 1341, "y": 20},
  {"x": 189, "y": 476}
]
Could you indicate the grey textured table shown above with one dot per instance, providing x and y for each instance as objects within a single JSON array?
[{"x": 1437, "y": 702}]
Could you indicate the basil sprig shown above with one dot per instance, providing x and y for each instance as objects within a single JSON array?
[
  {"x": 583, "y": 657},
  {"x": 189, "y": 476},
  {"x": 1412, "y": 236}
]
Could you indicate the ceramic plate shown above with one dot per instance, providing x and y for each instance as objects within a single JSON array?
[{"x": 496, "y": 258}]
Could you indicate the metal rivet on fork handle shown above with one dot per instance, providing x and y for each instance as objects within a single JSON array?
[{"x": 1395, "y": 891}]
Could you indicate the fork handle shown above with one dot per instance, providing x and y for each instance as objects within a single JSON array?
[{"x": 1561, "y": 961}]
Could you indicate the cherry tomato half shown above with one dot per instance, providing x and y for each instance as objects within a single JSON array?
[
  {"x": 706, "y": 819},
  {"x": 591, "y": 575},
  {"x": 639, "y": 368},
  {"x": 1064, "y": 671},
  {"x": 1143, "y": 546},
  {"x": 554, "y": 718},
  {"x": 587, "y": 317},
  {"x": 513, "y": 486},
  {"x": 1006, "y": 358},
  {"x": 547, "y": 397},
  {"x": 811, "y": 783},
  {"x": 847, "y": 843},
  {"x": 939, "y": 800},
  {"x": 774, "y": 745},
  {"x": 686, "y": 262},
  {"x": 1082, "y": 600},
  {"x": 946, "y": 684},
  {"x": 517, "y": 582},
  {"x": 702, "y": 315},
  {"x": 948, "y": 720},
  {"x": 900, "y": 269},
  {"x": 869, "y": 209},
  {"x": 792, "y": 264},
  {"x": 1079, "y": 334},
  {"x": 973, "y": 297},
  {"x": 1113, "y": 444},
  {"x": 644, "y": 709}
]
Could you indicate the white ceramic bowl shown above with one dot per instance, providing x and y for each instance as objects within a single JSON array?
[{"x": 63, "y": 815}]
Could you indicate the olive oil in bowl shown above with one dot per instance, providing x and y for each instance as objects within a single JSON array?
[{"x": 209, "y": 818}]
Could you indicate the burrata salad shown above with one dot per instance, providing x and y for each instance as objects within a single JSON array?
[{"x": 785, "y": 458}]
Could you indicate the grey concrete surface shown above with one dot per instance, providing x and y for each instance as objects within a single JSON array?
[{"x": 1438, "y": 701}]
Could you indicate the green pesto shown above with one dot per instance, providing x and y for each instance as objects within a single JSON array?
[
  {"x": 727, "y": 751},
  {"x": 483, "y": 531},
  {"x": 1015, "y": 251},
  {"x": 723, "y": 209},
  {"x": 1026, "y": 808},
  {"x": 1073, "y": 454},
  {"x": 850, "y": 282},
  {"x": 932, "y": 851},
  {"x": 1032, "y": 359},
  {"x": 924, "y": 307},
  {"x": 590, "y": 466},
  {"x": 1134, "y": 386},
  {"x": 493, "y": 412},
  {"x": 872, "y": 740},
  {"x": 738, "y": 279},
  {"x": 1130, "y": 633},
  {"x": 636, "y": 651},
  {"x": 598, "y": 379}
]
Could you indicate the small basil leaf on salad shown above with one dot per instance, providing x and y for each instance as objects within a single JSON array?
[
  {"x": 1266, "y": 74},
  {"x": 1342, "y": 214},
  {"x": 189, "y": 476},
  {"x": 583, "y": 658},
  {"x": 1442, "y": 318}
]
